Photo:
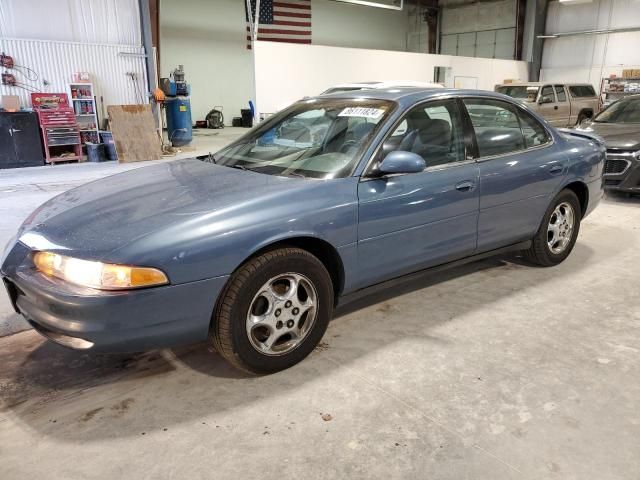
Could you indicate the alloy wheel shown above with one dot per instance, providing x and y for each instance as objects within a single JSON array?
[
  {"x": 560, "y": 228},
  {"x": 282, "y": 314}
]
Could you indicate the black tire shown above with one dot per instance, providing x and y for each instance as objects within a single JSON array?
[
  {"x": 540, "y": 252},
  {"x": 228, "y": 328}
]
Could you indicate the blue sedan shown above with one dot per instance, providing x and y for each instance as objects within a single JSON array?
[{"x": 253, "y": 247}]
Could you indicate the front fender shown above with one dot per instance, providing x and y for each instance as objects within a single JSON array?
[{"x": 215, "y": 244}]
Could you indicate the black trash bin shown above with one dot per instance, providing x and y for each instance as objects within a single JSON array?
[
  {"x": 247, "y": 117},
  {"x": 109, "y": 145},
  {"x": 95, "y": 152}
]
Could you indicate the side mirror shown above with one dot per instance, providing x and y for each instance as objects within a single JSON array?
[
  {"x": 399, "y": 161},
  {"x": 545, "y": 99}
]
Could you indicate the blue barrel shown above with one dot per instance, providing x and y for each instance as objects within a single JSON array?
[{"x": 179, "y": 127}]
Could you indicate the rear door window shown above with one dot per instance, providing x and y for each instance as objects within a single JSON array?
[
  {"x": 496, "y": 126},
  {"x": 532, "y": 130},
  {"x": 578, "y": 91}
]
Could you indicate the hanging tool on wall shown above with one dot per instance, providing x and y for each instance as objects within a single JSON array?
[
  {"x": 9, "y": 80},
  {"x": 6, "y": 61}
]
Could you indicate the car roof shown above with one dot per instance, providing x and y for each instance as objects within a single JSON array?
[
  {"x": 409, "y": 95},
  {"x": 388, "y": 84},
  {"x": 540, "y": 84}
]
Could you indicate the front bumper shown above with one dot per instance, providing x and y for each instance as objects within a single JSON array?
[
  {"x": 628, "y": 180},
  {"x": 109, "y": 321}
]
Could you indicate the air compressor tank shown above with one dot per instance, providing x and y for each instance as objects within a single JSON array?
[{"x": 179, "y": 128}]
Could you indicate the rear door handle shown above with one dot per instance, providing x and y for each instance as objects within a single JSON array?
[
  {"x": 465, "y": 186},
  {"x": 555, "y": 107},
  {"x": 556, "y": 169}
]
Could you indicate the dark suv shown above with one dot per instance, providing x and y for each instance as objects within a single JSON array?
[{"x": 619, "y": 126}]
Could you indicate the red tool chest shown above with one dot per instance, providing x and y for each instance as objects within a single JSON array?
[{"x": 60, "y": 129}]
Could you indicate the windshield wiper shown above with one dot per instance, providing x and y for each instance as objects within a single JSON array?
[
  {"x": 294, "y": 174},
  {"x": 209, "y": 158},
  {"x": 239, "y": 167}
]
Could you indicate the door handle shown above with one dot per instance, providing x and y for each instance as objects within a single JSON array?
[
  {"x": 555, "y": 107},
  {"x": 556, "y": 169},
  {"x": 465, "y": 186},
  {"x": 13, "y": 130}
]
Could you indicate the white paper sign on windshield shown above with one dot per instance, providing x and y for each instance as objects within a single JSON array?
[{"x": 362, "y": 112}]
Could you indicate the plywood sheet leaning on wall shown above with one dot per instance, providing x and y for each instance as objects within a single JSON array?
[{"x": 134, "y": 133}]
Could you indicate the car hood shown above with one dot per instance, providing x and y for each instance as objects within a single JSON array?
[
  {"x": 99, "y": 217},
  {"x": 618, "y": 136}
]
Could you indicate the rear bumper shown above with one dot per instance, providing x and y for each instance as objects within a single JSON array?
[{"x": 125, "y": 321}]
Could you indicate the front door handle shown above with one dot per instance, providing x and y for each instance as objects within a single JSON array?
[
  {"x": 556, "y": 169},
  {"x": 555, "y": 107},
  {"x": 465, "y": 186}
]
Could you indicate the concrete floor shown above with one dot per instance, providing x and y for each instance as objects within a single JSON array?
[
  {"x": 496, "y": 370},
  {"x": 22, "y": 190}
]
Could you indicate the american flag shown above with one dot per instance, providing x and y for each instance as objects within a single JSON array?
[{"x": 282, "y": 21}]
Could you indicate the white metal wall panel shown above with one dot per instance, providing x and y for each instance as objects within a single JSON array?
[
  {"x": 478, "y": 16},
  {"x": 483, "y": 29},
  {"x": 505, "y": 43},
  {"x": 467, "y": 45},
  {"x": 590, "y": 16},
  {"x": 449, "y": 45},
  {"x": 486, "y": 44},
  {"x": 90, "y": 21},
  {"x": 55, "y": 63},
  {"x": 588, "y": 58}
]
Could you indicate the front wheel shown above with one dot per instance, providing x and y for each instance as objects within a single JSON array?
[
  {"x": 274, "y": 311},
  {"x": 558, "y": 232}
]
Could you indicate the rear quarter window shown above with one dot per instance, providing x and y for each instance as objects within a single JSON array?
[{"x": 578, "y": 91}]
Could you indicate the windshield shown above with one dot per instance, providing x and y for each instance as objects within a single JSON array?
[
  {"x": 520, "y": 91},
  {"x": 626, "y": 110},
  {"x": 313, "y": 138}
]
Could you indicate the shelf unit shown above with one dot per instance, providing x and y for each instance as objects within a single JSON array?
[
  {"x": 83, "y": 99},
  {"x": 612, "y": 89}
]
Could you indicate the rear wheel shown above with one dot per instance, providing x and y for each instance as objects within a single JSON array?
[
  {"x": 582, "y": 116},
  {"x": 274, "y": 311},
  {"x": 558, "y": 232}
]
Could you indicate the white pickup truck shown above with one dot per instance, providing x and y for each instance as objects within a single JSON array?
[{"x": 562, "y": 104}]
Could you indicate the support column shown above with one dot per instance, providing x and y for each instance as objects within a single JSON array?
[
  {"x": 539, "y": 28},
  {"x": 147, "y": 43}
]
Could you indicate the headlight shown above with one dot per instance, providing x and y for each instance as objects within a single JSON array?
[{"x": 103, "y": 276}]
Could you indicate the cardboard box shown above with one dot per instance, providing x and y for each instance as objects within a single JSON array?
[{"x": 11, "y": 103}]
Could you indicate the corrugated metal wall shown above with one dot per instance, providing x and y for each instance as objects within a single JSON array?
[
  {"x": 87, "y": 21},
  {"x": 589, "y": 58},
  {"x": 55, "y": 63}
]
